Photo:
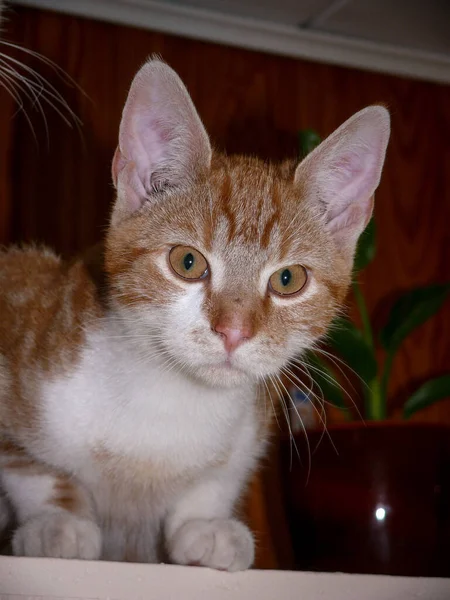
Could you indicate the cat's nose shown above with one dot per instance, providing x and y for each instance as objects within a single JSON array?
[{"x": 233, "y": 335}]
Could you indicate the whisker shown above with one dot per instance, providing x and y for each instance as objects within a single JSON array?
[
  {"x": 38, "y": 89},
  {"x": 273, "y": 406},
  {"x": 321, "y": 401},
  {"x": 304, "y": 368},
  {"x": 336, "y": 360},
  {"x": 288, "y": 422},
  {"x": 299, "y": 363},
  {"x": 28, "y": 90},
  {"x": 45, "y": 85},
  {"x": 12, "y": 91},
  {"x": 286, "y": 416},
  {"x": 44, "y": 59},
  {"x": 321, "y": 414},
  {"x": 333, "y": 360},
  {"x": 302, "y": 424}
]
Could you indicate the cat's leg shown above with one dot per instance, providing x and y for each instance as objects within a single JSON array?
[
  {"x": 200, "y": 529},
  {"x": 131, "y": 542},
  {"x": 54, "y": 513}
]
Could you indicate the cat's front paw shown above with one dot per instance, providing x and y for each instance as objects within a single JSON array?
[
  {"x": 58, "y": 535},
  {"x": 224, "y": 544}
]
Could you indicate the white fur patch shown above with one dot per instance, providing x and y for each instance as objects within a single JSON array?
[
  {"x": 144, "y": 413},
  {"x": 58, "y": 535}
]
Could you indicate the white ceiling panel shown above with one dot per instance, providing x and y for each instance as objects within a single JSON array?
[
  {"x": 403, "y": 37},
  {"x": 415, "y": 24},
  {"x": 283, "y": 11}
]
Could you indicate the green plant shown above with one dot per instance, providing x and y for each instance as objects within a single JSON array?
[{"x": 358, "y": 347}]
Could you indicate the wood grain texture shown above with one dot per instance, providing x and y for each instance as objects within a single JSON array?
[{"x": 250, "y": 102}]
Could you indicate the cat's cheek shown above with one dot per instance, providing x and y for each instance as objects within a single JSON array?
[
  {"x": 262, "y": 365},
  {"x": 268, "y": 354},
  {"x": 187, "y": 331}
]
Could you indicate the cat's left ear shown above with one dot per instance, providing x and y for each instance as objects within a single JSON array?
[
  {"x": 162, "y": 141},
  {"x": 341, "y": 175}
]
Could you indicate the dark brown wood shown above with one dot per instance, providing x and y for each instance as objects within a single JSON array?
[{"x": 401, "y": 469}]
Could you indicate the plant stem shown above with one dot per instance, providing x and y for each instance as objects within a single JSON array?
[
  {"x": 375, "y": 406},
  {"x": 387, "y": 368},
  {"x": 375, "y": 399},
  {"x": 367, "y": 328}
]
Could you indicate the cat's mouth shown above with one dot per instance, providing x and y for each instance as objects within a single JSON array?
[
  {"x": 229, "y": 365},
  {"x": 227, "y": 370}
]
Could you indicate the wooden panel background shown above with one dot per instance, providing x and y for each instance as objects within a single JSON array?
[{"x": 60, "y": 193}]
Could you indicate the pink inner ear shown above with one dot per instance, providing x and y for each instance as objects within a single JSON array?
[
  {"x": 129, "y": 185},
  {"x": 353, "y": 216},
  {"x": 350, "y": 165},
  {"x": 146, "y": 141},
  {"x": 351, "y": 180},
  {"x": 161, "y": 134}
]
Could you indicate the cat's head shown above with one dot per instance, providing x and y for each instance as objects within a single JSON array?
[{"x": 230, "y": 266}]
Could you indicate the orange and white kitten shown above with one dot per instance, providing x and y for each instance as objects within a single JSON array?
[{"x": 129, "y": 412}]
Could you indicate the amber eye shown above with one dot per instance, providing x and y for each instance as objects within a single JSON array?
[
  {"x": 288, "y": 280},
  {"x": 188, "y": 263}
]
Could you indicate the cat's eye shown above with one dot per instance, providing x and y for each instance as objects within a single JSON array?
[
  {"x": 188, "y": 263},
  {"x": 288, "y": 281}
]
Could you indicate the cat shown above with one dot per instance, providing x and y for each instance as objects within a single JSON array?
[{"x": 130, "y": 419}]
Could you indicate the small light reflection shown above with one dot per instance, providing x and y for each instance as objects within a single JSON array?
[{"x": 380, "y": 513}]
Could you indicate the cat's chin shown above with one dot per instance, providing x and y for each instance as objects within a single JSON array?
[{"x": 223, "y": 375}]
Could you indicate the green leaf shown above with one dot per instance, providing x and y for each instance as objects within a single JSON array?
[
  {"x": 348, "y": 341},
  {"x": 366, "y": 248},
  {"x": 325, "y": 379},
  {"x": 429, "y": 393},
  {"x": 410, "y": 311},
  {"x": 307, "y": 140}
]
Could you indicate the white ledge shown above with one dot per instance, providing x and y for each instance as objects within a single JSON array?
[{"x": 53, "y": 579}]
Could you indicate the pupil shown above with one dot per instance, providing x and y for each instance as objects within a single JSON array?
[
  {"x": 286, "y": 277},
  {"x": 188, "y": 261}
]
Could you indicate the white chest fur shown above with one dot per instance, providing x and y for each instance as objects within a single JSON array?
[{"x": 122, "y": 423}]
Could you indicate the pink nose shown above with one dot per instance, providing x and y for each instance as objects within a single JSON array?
[{"x": 233, "y": 336}]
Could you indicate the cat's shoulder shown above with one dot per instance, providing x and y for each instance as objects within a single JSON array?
[
  {"x": 47, "y": 304},
  {"x": 38, "y": 284},
  {"x": 28, "y": 260},
  {"x": 41, "y": 270}
]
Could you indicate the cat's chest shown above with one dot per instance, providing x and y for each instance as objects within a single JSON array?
[
  {"x": 170, "y": 441},
  {"x": 141, "y": 426}
]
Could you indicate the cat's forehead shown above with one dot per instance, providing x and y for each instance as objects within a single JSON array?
[{"x": 255, "y": 210}]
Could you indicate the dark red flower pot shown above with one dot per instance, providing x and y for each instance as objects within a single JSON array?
[{"x": 382, "y": 505}]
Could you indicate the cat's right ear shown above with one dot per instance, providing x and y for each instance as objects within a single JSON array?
[
  {"x": 340, "y": 176},
  {"x": 162, "y": 141}
]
